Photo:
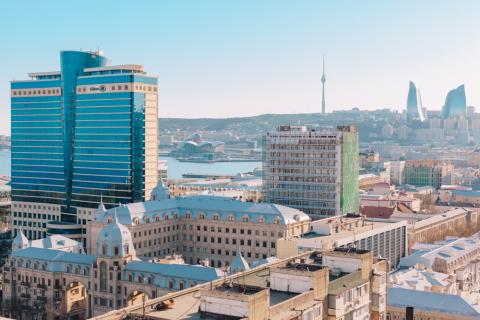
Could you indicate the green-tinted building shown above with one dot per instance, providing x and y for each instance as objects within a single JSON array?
[
  {"x": 314, "y": 171},
  {"x": 426, "y": 172}
]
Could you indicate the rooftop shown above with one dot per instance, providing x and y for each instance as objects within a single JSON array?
[
  {"x": 208, "y": 205},
  {"x": 429, "y": 301},
  {"x": 314, "y": 240}
]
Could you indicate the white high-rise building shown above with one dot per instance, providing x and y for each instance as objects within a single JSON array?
[{"x": 313, "y": 171}]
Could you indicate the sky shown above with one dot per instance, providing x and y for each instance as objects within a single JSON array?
[{"x": 217, "y": 58}]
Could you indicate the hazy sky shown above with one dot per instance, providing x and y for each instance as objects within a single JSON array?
[{"x": 225, "y": 58}]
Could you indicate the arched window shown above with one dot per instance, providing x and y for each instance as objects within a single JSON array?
[
  {"x": 104, "y": 249},
  {"x": 276, "y": 221},
  {"x": 215, "y": 217},
  {"x": 157, "y": 218},
  {"x": 165, "y": 216},
  {"x": 127, "y": 249},
  {"x": 231, "y": 217},
  {"x": 103, "y": 276},
  {"x": 175, "y": 216},
  {"x": 136, "y": 221},
  {"x": 201, "y": 216},
  {"x": 188, "y": 215},
  {"x": 147, "y": 220},
  {"x": 109, "y": 220},
  {"x": 261, "y": 220},
  {"x": 181, "y": 285},
  {"x": 117, "y": 252},
  {"x": 171, "y": 284},
  {"x": 245, "y": 219}
]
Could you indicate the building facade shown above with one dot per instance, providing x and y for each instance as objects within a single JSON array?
[
  {"x": 455, "y": 103},
  {"x": 316, "y": 172},
  {"x": 426, "y": 172},
  {"x": 414, "y": 103},
  {"x": 458, "y": 222},
  {"x": 59, "y": 282},
  {"x": 386, "y": 239},
  {"x": 203, "y": 229},
  {"x": 341, "y": 284},
  {"x": 84, "y": 133}
]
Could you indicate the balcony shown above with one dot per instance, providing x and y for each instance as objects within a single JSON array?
[
  {"x": 25, "y": 284},
  {"x": 41, "y": 286},
  {"x": 57, "y": 299},
  {"x": 57, "y": 287},
  {"x": 25, "y": 295},
  {"x": 42, "y": 299},
  {"x": 6, "y": 268}
]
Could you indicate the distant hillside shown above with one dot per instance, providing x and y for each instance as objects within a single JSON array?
[{"x": 256, "y": 126}]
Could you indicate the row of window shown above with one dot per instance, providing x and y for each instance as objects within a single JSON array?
[
  {"x": 201, "y": 216},
  {"x": 35, "y": 92},
  {"x": 205, "y": 229},
  {"x": 31, "y": 215},
  {"x": 40, "y": 207},
  {"x": 124, "y": 87}
]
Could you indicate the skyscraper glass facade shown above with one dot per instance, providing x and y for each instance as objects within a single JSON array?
[
  {"x": 84, "y": 134},
  {"x": 455, "y": 103},
  {"x": 414, "y": 103}
]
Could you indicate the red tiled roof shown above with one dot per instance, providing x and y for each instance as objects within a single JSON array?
[{"x": 377, "y": 212}]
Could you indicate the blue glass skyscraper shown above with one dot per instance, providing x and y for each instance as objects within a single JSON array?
[
  {"x": 414, "y": 103},
  {"x": 84, "y": 134},
  {"x": 455, "y": 103}
]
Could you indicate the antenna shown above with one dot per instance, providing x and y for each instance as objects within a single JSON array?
[{"x": 324, "y": 79}]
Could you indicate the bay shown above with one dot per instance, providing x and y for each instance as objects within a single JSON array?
[{"x": 175, "y": 167}]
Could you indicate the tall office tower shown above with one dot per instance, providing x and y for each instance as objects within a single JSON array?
[
  {"x": 455, "y": 103},
  {"x": 316, "y": 172},
  {"x": 415, "y": 110},
  {"x": 80, "y": 136},
  {"x": 324, "y": 79}
]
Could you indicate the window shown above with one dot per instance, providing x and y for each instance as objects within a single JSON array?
[
  {"x": 103, "y": 276},
  {"x": 245, "y": 219},
  {"x": 201, "y": 216}
]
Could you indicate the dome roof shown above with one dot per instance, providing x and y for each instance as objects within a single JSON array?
[
  {"x": 115, "y": 240},
  {"x": 239, "y": 264},
  {"x": 160, "y": 192},
  {"x": 20, "y": 241}
]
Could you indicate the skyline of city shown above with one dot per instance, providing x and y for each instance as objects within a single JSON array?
[
  {"x": 189, "y": 160},
  {"x": 372, "y": 55}
]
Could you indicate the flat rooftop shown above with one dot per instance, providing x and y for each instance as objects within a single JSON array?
[{"x": 312, "y": 239}]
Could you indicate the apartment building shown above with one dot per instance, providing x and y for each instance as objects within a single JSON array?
[
  {"x": 341, "y": 284},
  {"x": 313, "y": 171},
  {"x": 202, "y": 228},
  {"x": 426, "y": 172},
  {"x": 386, "y": 239}
]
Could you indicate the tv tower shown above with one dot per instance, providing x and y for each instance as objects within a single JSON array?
[{"x": 323, "y": 87}]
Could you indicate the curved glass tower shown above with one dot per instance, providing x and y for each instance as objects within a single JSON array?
[
  {"x": 455, "y": 103},
  {"x": 81, "y": 135},
  {"x": 414, "y": 103}
]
